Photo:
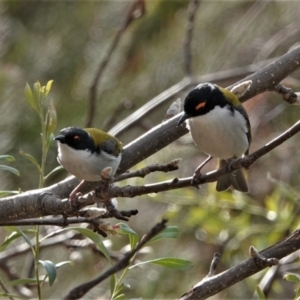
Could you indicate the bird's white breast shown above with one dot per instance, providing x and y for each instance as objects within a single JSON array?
[
  {"x": 85, "y": 165},
  {"x": 219, "y": 133}
]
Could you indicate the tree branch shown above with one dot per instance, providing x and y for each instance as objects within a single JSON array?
[
  {"x": 171, "y": 166},
  {"x": 210, "y": 286},
  {"x": 137, "y": 5},
  {"x": 192, "y": 9},
  {"x": 47, "y": 201}
]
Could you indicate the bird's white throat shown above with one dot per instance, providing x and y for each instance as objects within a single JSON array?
[
  {"x": 220, "y": 133},
  {"x": 84, "y": 164}
]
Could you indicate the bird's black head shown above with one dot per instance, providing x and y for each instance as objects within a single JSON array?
[
  {"x": 201, "y": 100},
  {"x": 76, "y": 138}
]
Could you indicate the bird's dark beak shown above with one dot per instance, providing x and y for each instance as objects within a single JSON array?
[
  {"x": 60, "y": 138},
  {"x": 183, "y": 118}
]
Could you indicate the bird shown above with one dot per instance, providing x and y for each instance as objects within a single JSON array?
[
  {"x": 220, "y": 127},
  {"x": 84, "y": 153}
]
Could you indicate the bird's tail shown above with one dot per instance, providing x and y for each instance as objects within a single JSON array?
[{"x": 236, "y": 179}]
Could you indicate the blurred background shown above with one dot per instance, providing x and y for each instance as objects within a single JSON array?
[{"x": 67, "y": 41}]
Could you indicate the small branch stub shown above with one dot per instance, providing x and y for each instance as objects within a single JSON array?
[
  {"x": 288, "y": 94},
  {"x": 240, "y": 89},
  {"x": 262, "y": 261},
  {"x": 213, "y": 265}
]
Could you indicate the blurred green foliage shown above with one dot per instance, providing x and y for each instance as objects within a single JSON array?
[{"x": 66, "y": 41}]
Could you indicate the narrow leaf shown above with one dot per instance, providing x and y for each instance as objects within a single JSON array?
[
  {"x": 260, "y": 293},
  {"x": 52, "y": 119},
  {"x": 27, "y": 240},
  {"x": 10, "y": 295},
  {"x": 96, "y": 239},
  {"x": 113, "y": 282},
  {"x": 63, "y": 263},
  {"x": 119, "y": 297},
  {"x": 169, "y": 232},
  {"x": 292, "y": 277},
  {"x": 21, "y": 281},
  {"x": 32, "y": 159},
  {"x": 50, "y": 269},
  {"x": 133, "y": 236},
  {"x": 55, "y": 171},
  {"x": 169, "y": 262},
  {"x": 8, "y": 158},
  {"x": 15, "y": 234},
  {"x": 37, "y": 91},
  {"x": 30, "y": 97},
  {"x": 48, "y": 87},
  {"x": 297, "y": 296},
  {"x": 5, "y": 193},
  {"x": 87, "y": 233},
  {"x": 10, "y": 169}
]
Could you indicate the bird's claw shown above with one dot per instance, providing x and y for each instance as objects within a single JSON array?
[{"x": 196, "y": 180}]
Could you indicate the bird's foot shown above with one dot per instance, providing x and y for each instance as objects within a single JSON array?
[
  {"x": 196, "y": 180},
  {"x": 228, "y": 165}
]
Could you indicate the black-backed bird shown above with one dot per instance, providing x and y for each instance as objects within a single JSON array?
[
  {"x": 220, "y": 127},
  {"x": 86, "y": 152}
]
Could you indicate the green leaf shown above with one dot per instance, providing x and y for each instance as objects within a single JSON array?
[
  {"x": 169, "y": 232},
  {"x": 55, "y": 171},
  {"x": 133, "y": 236},
  {"x": 32, "y": 159},
  {"x": 10, "y": 295},
  {"x": 8, "y": 158},
  {"x": 13, "y": 236},
  {"x": 292, "y": 277},
  {"x": 63, "y": 263},
  {"x": 50, "y": 269},
  {"x": 52, "y": 119},
  {"x": 48, "y": 87},
  {"x": 119, "y": 288},
  {"x": 96, "y": 239},
  {"x": 37, "y": 92},
  {"x": 119, "y": 297},
  {"x": 260, "y": 293},
  {"x": 113, "y": 282},
  {"x": 30, "y": 98},
  {"x": 169, "y": 262},
  {"x": 297, "y": 296},
  {"x": 5, "y": 193},
  {"x": 87, "y": 233},
  {"x": 21, "y": 281},
  {"x": 27, "y": 240},
  {"x": 10, "y": 169}
]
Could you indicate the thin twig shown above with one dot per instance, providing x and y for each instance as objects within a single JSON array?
[
  {"x": 4, "y": 288},
  {"x": 288, "y": 94},
  {"x": 81, "y": 290},
  {"x": 171, "y": 166},
  {"x": 213, "y": 265},
  {"x": 191, "y": 12},
  {"x": 136, "y": 9}
]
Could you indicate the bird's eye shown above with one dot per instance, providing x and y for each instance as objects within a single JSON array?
[
  {"x": 76, "y": 138},
  {"x": 200, "y": 105}
]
